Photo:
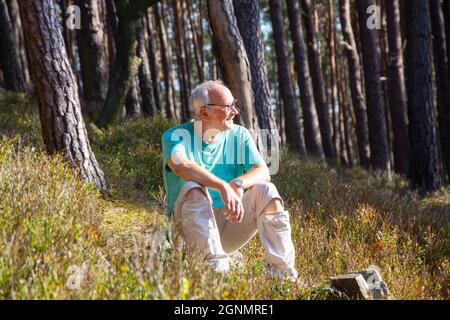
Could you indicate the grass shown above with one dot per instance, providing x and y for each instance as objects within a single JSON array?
[{"x": 60, "y": 239}]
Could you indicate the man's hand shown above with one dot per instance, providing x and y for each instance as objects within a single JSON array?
[
  {"x": 239, "y": 191},
  {"x": 234, "y": 211}
]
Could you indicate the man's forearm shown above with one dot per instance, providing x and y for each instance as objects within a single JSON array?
[
  {"x": 189, "y": 170},
  {"x": 259, "y": 173}
]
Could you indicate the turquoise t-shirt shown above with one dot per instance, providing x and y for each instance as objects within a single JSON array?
[{"x": 233, "y": 154}]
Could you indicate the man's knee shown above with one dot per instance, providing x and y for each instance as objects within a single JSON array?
[
  {"x": 268, "y": 189},
  {"x": 275, "y": 205},
  {"x": 196, "y": 194}
]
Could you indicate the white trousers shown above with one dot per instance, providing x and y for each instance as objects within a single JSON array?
[{"x": 207, "y": 229}]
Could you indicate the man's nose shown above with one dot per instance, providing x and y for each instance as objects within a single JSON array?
[{"x": 235, "y": 110}]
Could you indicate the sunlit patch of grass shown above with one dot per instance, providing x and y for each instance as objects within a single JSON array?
[
  {"x": 131, "y": 154},
  {"x": 125, "y": 223},
  {"x": 49, "y": 222}
]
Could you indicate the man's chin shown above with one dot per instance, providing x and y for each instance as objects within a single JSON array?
[{"x": 229, "y": 124}]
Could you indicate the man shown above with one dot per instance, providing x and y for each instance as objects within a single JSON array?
[{"x": 218, "y": 185}]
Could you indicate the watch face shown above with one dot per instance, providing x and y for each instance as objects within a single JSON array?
[{"x": 239, "y": 182}]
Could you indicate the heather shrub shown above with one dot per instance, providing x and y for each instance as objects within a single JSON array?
[{"x": 61, "y": 239}]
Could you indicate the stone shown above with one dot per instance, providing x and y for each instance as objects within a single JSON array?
[
  {"x": 376, "y": 285},
  {"x": 353, "y": 285}
]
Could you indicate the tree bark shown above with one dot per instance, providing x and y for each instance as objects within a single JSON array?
[
  {"x": 197, "y": 42},
  {"x": 344, "y": 159},
  {"x": 331, "y": 46},
  {"x": 310, "y": 121},
  {"x": 397, "y": 89},
  {"x": 292, "y": 125},
  {"x": 70, "y": 41},
  {"x": 144, "y": 73},
  {"x": 247, "y": 16},
  {"x": 182, "y": 67},
  {"x": 233, "y": 61},
  {"x": 318, "y": 82},
  {"x": 379, "y": 149},
  {"x": 347, "y": 117},
  {"x": 154, "y": 65},
  {"x": 166, "y": 60},
  {"x": 126, "y": 63},
  {"x": 112, "y": 27},
  {"x": 133, "y": 100},
  {"x": 422, "y": 131},
  {"x": 16, "y": 24},
  {"x": 94, "y": 72},
  {"x": 56, "y": 88},
  {"x": 442, "y": 80},
  {"x": 446, "y": 9},
  {"x": 384, "y": 56},
  {"x": 187, "y": 39},
  {"x": 354, "y": 70},
  {"x": 9, "y": 54}
]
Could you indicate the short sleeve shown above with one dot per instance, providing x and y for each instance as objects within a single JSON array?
[
  {"x": 252, "y": 155},
  {"x": 175, "y": 142}
]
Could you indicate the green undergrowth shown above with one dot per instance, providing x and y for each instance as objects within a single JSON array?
[{"x": 61, "y": 239}]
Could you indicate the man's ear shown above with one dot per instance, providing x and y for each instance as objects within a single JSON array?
[{"x": 203, "y": 113}]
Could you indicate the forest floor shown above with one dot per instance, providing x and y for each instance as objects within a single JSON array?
[{"x": 61, "y": 238}]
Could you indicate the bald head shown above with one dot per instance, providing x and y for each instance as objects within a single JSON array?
[{"x": 208, "y": 92}]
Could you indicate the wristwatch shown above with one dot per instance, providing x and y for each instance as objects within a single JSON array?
[{"x": 239, "y": 183}]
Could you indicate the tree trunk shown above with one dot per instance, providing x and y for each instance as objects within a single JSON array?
[
  {"x": 166, "y": 60},
  {"x": 181, "y": 59},
  {"x": 379, "y": 149},
  {"x": 344, "y": 159},
  {"x": 126, "y": 63},
  {"x": 233, "y": 61},
  {"x": 59, "y": 106},
  {"x": 345, "y": 116},
  {"x": 442, "y": 80},
  {"x": 446, "y": 9},
  {"x": 247, "y": 16},
  {"x": 14, "y": 15},
  {"x": 331, "y": 46},
  {"x": 186, "y": 39},
  {"x": 9, "y": 54},
  {"x": 144, "y": 75},
  {"x": 112, "y": 27},
  {"x": 310, "y": 122},
  {"x": 166, "y": 12},
  {"x": 292, "y": 124},
  {"x": 67, "y": 33},
  {"x": 384, "y": 56},
  {"x": 70, "y": 41},
  {"x": 347, "y": 134},
  {"x": 422, "y": 131},
  {"x": 317, "y": 80},
  {"x": 133, "y": 101},
  {"x": 354, "y": 70},
  {"x": 94, "y": 72},
  {"x": 154, "y": 65},
  {"x": 397, "y": 90},
  {"x": 196, "y": 40}
]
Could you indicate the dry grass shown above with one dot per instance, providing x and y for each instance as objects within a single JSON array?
[{"x": 60, "y": 239}]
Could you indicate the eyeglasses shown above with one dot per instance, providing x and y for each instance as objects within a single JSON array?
[{"x": 228, "y": 106}]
